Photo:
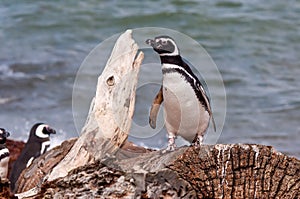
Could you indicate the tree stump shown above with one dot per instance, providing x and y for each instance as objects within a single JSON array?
[
  {"x": 211, "y": 171},
  {"x": 101, "y": 163}
]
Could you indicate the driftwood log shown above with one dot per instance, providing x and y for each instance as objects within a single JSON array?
[
  {"x": 220, "y": 171},
  {"x": 101, "y": 163}
]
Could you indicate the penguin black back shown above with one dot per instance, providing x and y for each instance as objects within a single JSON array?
[{"x": 36, "y": 145}]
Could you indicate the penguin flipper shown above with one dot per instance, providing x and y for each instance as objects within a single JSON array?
[
  {"x": 155, "y": 108},
  {"x": 206, "y": 99},
  {"x": 213, "y": 122},
  {"x": 153, "y": 115}
]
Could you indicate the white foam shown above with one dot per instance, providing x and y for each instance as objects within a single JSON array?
[
  {"x": 6, "y": 100},
  {"x": 6, "y": 71}
]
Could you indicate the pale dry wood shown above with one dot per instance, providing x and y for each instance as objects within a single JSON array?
[{"x": 110, "y": 116}]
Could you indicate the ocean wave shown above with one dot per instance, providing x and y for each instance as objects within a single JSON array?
[
  {"x": 6, "y": 71},
  {"x": 6, "y": 100},
  {"x": 38, "y": 71}
]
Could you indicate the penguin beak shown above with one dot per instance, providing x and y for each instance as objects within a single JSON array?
[
  {"x": 155, "y": 45},
  {"x": 6, "y": 134},
  {"x": 50, "y": 130},
  {"x": 150, "y": 42}
]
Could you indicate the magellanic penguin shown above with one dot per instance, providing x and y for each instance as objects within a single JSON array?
[
  {"x": 187, "y": 109},
  {"x": 36, "y": 145},
  {"x": 4, "y": 154}
]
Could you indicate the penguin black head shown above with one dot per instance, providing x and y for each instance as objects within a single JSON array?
[
  {"x": 164, "y": 46},
  {"x": 3, "y": 135},
  {"x": 41, "y": 131}
]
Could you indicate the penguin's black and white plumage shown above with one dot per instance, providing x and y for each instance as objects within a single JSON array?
[
  {"x": 4, "y": 154},
  {"x": 36, "y": 145},
  {"x": 187, "y": 109}
]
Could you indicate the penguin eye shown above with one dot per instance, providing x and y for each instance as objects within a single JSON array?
[
  {"x": 45, "y": 130},
  {"x": 164, "y": 42}
]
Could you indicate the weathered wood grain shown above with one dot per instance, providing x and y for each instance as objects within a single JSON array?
[{"x": 211, "y": 171}]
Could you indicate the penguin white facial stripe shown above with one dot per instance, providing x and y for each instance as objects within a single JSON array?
[
  {"x": 39, "y": 131},
  {"x": 4, "y": 153},
  {"x": 166, "y": 40},
  {"x": 44, "y": 147},
  {"x": 174, "y": 53}
]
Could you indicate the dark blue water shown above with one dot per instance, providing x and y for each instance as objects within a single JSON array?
[{"x": 255, "y": 46}]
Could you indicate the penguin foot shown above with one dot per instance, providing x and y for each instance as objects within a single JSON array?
[
  {"x": 198, "y": 141},
  {"x": 171, "y": 147},
  {"x": 171, "y": 143}
]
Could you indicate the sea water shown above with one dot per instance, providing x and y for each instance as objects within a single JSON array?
[{"x": 255, "y": 45}]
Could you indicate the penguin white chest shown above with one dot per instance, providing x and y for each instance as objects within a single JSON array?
[
  {"x": 4, "y": 153},
  {"x": 184, "y": 114}
]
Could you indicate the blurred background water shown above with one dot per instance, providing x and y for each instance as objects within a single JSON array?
[{"x": 255, "y": 45}]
